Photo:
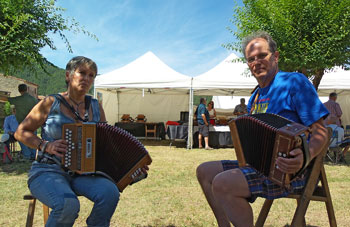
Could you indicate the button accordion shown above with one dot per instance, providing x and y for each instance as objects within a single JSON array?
[
  {"x": 103, "y": 149},
  {"x": 259, "y": 139}
]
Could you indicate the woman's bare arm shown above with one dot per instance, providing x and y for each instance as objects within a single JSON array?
[{"x": 36, "y": 117}]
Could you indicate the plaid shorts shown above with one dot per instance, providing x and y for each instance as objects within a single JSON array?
[{"x": 260, "y": 186}]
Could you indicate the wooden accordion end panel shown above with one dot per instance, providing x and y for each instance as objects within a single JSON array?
[
  {"x": 118, "y": 154},
  {"x": 81, "y": 138},
  {"x": 259, "y": 139}
]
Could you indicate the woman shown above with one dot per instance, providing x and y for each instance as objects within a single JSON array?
[
  {"x": 212, "y": 112},
  {"x": 47, "y": 181}
]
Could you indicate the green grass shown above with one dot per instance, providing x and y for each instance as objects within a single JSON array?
[{"x": 171, "y": 196}]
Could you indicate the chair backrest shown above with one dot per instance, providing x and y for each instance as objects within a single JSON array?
[
  {"x": 334, "y": 139},
  {"x": 347, "y": 130}
]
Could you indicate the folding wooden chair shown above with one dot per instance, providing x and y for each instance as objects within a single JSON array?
[
  {"x": 312, "y": 191},
  {"x": 31, "y": 210}
]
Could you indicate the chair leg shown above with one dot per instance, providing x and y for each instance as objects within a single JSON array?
[
  {"x": 329, "y": 205},
  {"x": 263, "y": 213},
  {"x": 304, "y": 222},
  {"x": 30, "y": 215},
  {"x": 46, "y": 213},
  {"x": 299, "y": 215}
]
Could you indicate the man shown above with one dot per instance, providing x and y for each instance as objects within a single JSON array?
[
  {"x": 339, "y": 141},
  {"x": 228, "y": 188},
  {"x": 334, "y": 108},
  {"x": 203, "y": 124},
  {"x": 241, "y": 108},
  {"x": 24, "y": 104},
  {"x": 11, "y": 124}
]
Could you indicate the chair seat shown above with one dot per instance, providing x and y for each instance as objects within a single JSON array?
[{"x": 318, "y": 195}]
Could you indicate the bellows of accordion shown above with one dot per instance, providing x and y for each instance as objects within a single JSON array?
[
  {"x": 106, "y": 149},
  {"x": 259, "y": 139}
]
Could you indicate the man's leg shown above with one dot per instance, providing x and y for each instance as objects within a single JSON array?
[
  {"x": 206, "y": 172},
  {"x": 230, "y": 189},
  {"x": 206, "y": 140},
  {"x": 200, "y": 140}
]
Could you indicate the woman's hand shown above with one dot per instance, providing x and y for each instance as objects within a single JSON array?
[
  {"x": 57, "y": 147},
  {"x": 292, "y": 164}
]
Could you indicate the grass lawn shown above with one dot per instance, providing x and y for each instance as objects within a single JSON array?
[{"x": 171, "y": 196}]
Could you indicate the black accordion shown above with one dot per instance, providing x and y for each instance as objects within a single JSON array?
[
  {"x": 259, "y": 139},
  {"x": 104, "y": 149}
]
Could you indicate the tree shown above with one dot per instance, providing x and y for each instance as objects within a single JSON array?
[
  {"x": 313, "y": 36},
  {"x": 25, "y": 26}
]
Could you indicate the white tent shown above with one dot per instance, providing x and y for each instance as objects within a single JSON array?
[
  {"x": 338, "y": 80},
  {"x": 229, "y": 78},
  {"x": 145, "y": 86}
]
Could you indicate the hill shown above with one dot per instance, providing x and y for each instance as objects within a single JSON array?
[{"x": 49, "y": 83}]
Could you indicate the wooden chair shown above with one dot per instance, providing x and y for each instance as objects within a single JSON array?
[
  {"x": 31, "y": 210},
  {"x": 150, "y": 128},
  {"x": 312, "y": 192}
]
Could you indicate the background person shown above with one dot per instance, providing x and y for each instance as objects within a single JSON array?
[
  {"x": 24, "y": 104},
  {"x": 241, "y": 108},
  {"x": 212, "y": 112},
  {"x": 334, "y": 108},
  {"x": 11, "y": 124},
  {"x": 47, "y": 181},
  {"x": 203, "y": 123},
  {"x": 228, "y": 188},
  {"x": 331, "y": 122}
]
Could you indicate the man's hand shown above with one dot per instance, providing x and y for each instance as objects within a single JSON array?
[{"x": 293, "y": 164}]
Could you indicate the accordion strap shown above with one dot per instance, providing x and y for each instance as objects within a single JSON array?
[
  {"x": 306, "y": 154},
  {"x": 71, "y": 108}
]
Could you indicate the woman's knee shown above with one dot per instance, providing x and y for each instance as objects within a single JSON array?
[
  {"x": 66, "y": 209},
  {"x": 110, "y": 195}
]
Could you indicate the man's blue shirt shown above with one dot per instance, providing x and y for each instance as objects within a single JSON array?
[
  {"x": 292, "y": 96},
  {"x": 202, "y": 109},
  {"x": 10, "y": 124}
]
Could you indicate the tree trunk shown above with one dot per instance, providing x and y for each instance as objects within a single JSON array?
[{"x": 317, "y": 79}]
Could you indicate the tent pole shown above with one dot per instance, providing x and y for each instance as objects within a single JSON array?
[{"x": 190, "y": 119}]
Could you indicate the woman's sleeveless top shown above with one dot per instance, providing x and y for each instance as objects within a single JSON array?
[
  {"x": 52, "y": 130},
  {"x": 211, "y": 112}
]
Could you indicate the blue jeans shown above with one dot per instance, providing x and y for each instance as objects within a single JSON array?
[
  {"x": 59, "y": 192},
  {"x": 27, "y": 152}
]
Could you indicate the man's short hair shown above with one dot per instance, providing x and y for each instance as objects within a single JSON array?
[
  {"x": 22, "y": 88},
  {"x": 256, "y": 35},
  {"x": 201, "y": 100},
  {"x": 333, "y": 94}
]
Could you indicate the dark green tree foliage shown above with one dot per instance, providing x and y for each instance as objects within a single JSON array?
[
  {"x": 50, "y": 81},
  {"x": 312, "y": 35},
  {"x": 25, "y": 26}
]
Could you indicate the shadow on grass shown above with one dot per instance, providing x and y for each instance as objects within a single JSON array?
[
  {"x": 16, "y": 167},
  {"x": 287, "y": 225},
  {"x": 177, "y": 144},
  {"x": 157, "y": 225}
]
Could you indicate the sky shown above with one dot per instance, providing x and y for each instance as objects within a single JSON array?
[{"x": 187, "y": 35}]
